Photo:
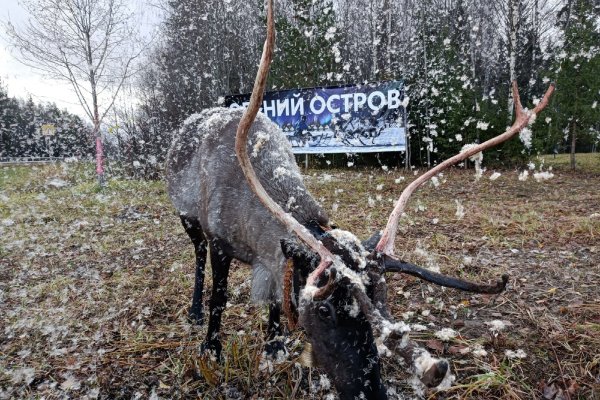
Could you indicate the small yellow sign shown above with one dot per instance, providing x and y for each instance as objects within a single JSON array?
[{"x": 48, "y": 129}]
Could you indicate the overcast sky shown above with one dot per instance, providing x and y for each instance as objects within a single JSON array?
[{"x": 22, "y": 81}]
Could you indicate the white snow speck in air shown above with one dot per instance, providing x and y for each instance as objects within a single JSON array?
[
  {"x": 525, "y": 136},
  {"x": 482, "y": 125}
]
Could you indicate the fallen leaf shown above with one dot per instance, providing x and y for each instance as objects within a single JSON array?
[
  {"x": 459, "y": 349},
  {"x": 436, "y": 345}
]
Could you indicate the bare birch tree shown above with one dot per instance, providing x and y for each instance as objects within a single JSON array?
[{"x": 87, "y": 43}]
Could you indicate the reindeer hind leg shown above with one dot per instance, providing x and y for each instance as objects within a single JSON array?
[
  {"x": 219, "y": 262},
  {"x": 194, "y": 230}
]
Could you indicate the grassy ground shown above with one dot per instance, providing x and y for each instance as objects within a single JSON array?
[
  {"x": 95, "y": 286},
  {"x": 587, "y": 161}
]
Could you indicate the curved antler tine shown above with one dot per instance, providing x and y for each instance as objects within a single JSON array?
[
  {"x": 241, "y": 150},
  {"x": 545, "y": 100},
  {"x": 323, "y": 292},
  {"x": 393, "y": 265},
  {"x": 522, "y": 119}
]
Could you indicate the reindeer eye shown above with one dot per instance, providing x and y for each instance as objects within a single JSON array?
[{"x": 324, "y": 312}]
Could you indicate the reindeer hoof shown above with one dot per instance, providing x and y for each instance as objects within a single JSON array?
[
  {"x": 435, "y": 374},
  {"x": 275, "y": 349},
  {"x": 213, "y": 347},
  {"x": 195, "y": 317}
]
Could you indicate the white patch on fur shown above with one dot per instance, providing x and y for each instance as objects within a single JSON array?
[
  {"x": 360, "y": 280},
  {"x": 353, "y": 308},
  {"x": 281, "y": 172},
  {"x": 290, "y": 202},
  {"x": 308, "y": 292},
  {"x": 349, "y": 241},
  {"x": 386, "y": 329},
  {"x": 192, "y": 118},
  {"x": 261, "y": 139},
  {"x": 215, "y": 120},
  {"x": 424, "y": 362},
  {"x": 422, "y": 365}
]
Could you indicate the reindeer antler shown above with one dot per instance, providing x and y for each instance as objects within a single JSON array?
[
  {"x": 241, "y": 141},
  {"x": 523, "y": 118}
]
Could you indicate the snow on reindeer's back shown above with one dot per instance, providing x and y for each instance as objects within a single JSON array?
[{"x": 207, "y": 141}]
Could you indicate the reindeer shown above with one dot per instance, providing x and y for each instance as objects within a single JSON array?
[{"x": 256, "y": 208}]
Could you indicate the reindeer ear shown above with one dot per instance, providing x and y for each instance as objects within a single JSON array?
[{"x": 370, "y": 243}]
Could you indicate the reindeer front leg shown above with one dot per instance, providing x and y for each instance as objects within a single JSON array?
[{"x": 274, "y": 332}]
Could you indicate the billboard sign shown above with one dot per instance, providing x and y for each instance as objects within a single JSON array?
[{"x": 364, "y": 118}]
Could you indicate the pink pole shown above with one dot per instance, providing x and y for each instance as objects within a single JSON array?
[{"x": 99, "y": 156}]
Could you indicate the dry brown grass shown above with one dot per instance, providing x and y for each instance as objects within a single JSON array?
[{"x": 94, "y": 288}]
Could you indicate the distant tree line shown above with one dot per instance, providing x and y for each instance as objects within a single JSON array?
[
  {"x": 21, "y": 124},
  {"x": 456, "y": 57}
]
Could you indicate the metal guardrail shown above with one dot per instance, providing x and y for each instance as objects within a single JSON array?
[{"x": 7, "y": 161}]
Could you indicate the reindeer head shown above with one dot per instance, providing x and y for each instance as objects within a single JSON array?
[
  {"x": 341, "y": 336},
  {"x": 335, "y": 286},
  {"x": 345, "y": 315}
]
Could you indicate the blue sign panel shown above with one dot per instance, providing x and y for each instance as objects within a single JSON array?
[{"x": 338, "y": 119}]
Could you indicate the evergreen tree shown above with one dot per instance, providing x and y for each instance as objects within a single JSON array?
[
  {"x": 307, "y": 51},
  {"x": 20, "y": 135},
  {"x": 209, "y": 51},
  {"x": 575, "y": 105}
]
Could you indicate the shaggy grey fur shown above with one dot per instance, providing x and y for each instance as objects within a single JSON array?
[{"x": 206, "y": 182}]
